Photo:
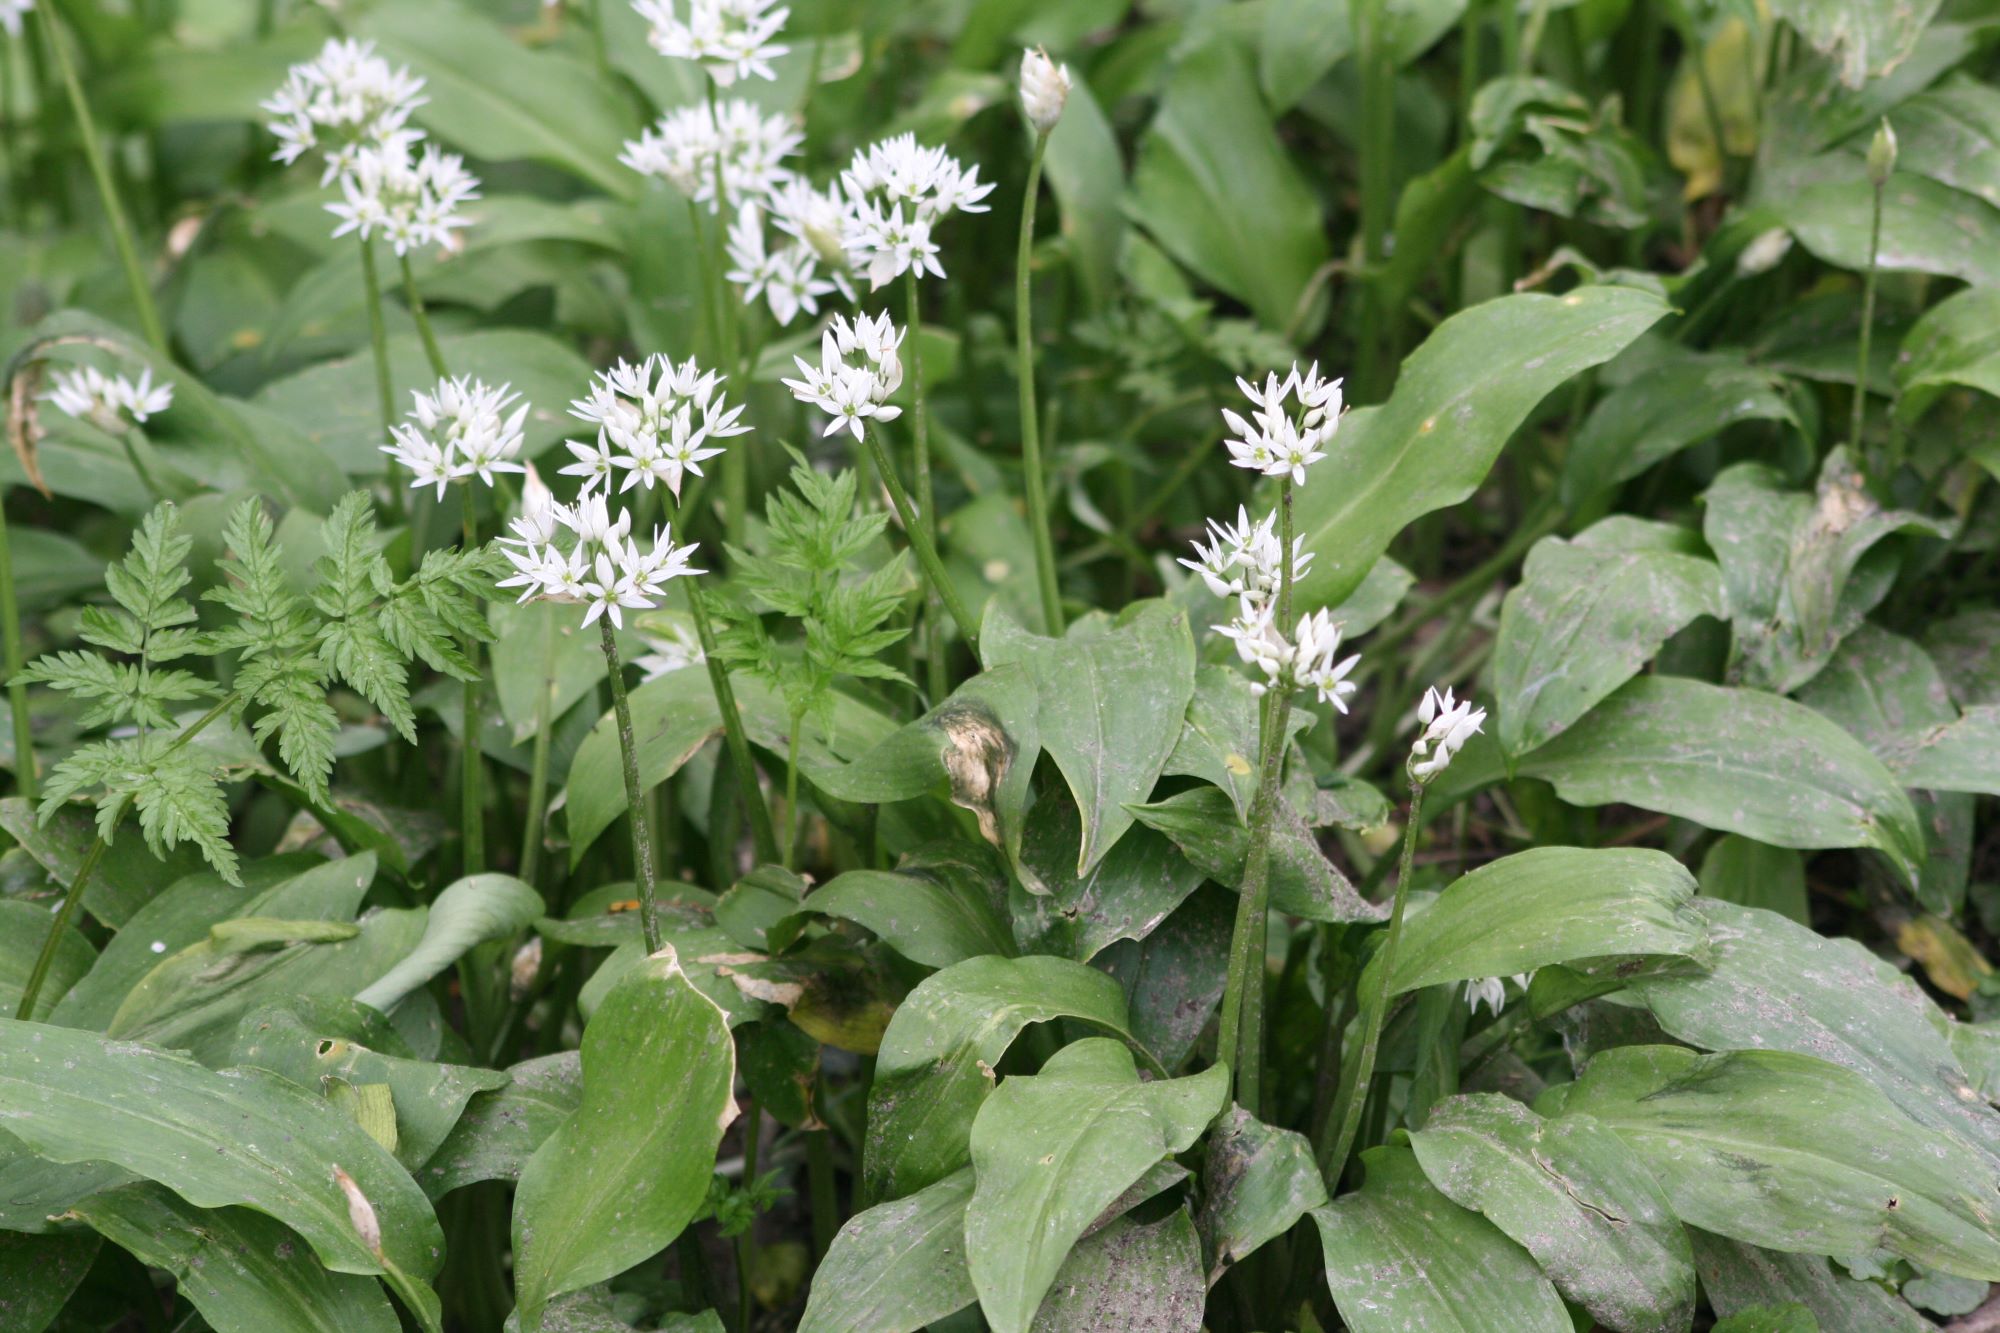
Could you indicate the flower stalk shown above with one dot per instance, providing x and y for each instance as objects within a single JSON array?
[
  {"x": 920, "y": 437},
  {"x": 378, "y": 344},
  {"x": 635, "y": 806},
  {"x": 920, "y": 542},
  {"x": 1881, "y": 165},
  {"x": 415, "y": 300},
  {"x": 107, "y": 191},
  {"x": 1031, "y": 430}
]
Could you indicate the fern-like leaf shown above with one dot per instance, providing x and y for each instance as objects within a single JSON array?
[{"x": 180, "y": 801}]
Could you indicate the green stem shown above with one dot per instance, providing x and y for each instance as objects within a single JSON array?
[
  {"x": 762, "y": 835},
  {"x": 920, "y": 541},
  {"x": 1867, "y": 329},
  {"x": 792, "y": 791},
  {"x": 129, "y": 439},
  {"x": 635, "y": 809},
  {"x": 107, "y": 192},
  {"x": 746, "y": 1243},
  {"x": 934, "y": 663},
  {"x": 415, "y": 300},
  {"x": 1378, "y": 202},
  {"x": 1031, "y": 429},
  {"x": 26, "y": 780},
  {"x": 598, "y": 47},
  {"x": 1373, "y": 1007},
  {"x": 472, "y": 808},
  {"x": 538, "y": 775},
  {"x": 825, "y": 1194},
  {"x": 73, "y": 897},
  {"x": 378, "y": 341}
]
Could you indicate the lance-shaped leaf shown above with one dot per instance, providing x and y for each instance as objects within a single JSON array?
[
  {"x": 1866, "y": 38},
  {"x": 1219, "y": 741},
  {"x": 1737, "y": 1278},
  {"x": 1793, "y": 1153},
  {"x": 1401, "y": 1256},
  {"x": 1052, "y": 1151},
  {"x": 243, "y": 1271},
  {"x": 239, "y": 1137},
  {"x": 24, "y": 928},
  {"x": 501, "y": 1129},
  {"x": 1551, "y": 905},
  {"x": 1459, "y": 399},
  {"x": 1129, "y": 1278},
  {"x": 1303, "y": 882},
  {"x": 1953, "y": 343},
  {"x": 936, "y": 914},
  {"x": 1174, "y": 978},
  {"x": 1966, "y": 649},
  {"x": 1257, "y": 1181},
  {"x": 897, "y": 1266},
  {"x": 1112, "y": 704},
  {"x": 1589, "y": 613},
  {"x": 1801, "y": 569},
  {"x": 1775, "y": 984},
  {"x": 1665, "y": 408},
  {"x": 469, "y": 913},
  {"x": 1741, "y": 761},
  {"x": 625, "y": 1174},
  {"x": 39, "y": 1273},
  {"x": 1574, "y": 1196},
  {"x": 1123, "y": 897},
  {"x": 936, "y": 1061}
]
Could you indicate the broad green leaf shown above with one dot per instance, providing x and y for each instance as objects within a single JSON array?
[
  {"x": 50, "y": 568},
  {"x": 1129, "y": 1278},
  {"x": 125, "y": 879},
  {"x": 24, "y": 930},
  {"x": 1401, "y": 1256},
  {"x": 1801, "y": 570},
  {"x": 38, "y": 1274},
  {"x": 627, "y": 1172},
  {"x": 1790, "y": 1152},
  {"x": 1202, "y": 823},
  {"x": 176, "y": 84},
  {"x": 929, "y": 918},
  {"x": 1666, "y": 408},
  {"x": 1052, "y": 1151},
  {"x": 780, "y": 1064},
  {"x": 471, "y": 912},
  {"x": 1087, "y": 175},
  {"x": 672, "y": 718},
  {"x": 426, "y": 1098},
  {"x": 1302, "y": 40},
  {"x": 501, "y": 102},
  {"x": 540, "y": 649},
  {"x": 1256, "y": 1181},
  {"x": 1173, "y": 978},
  {"x": 1459, "y": 399},
  {"x": 1866, "y": 38},
  {"x": 1741, "y": 761},
  {"x": 1790, "y": 1317},
  {"x": 1948, "y": 132},
  {"x": 244, "y": 1272},
  {"x": 1737, "y": 1278},
  {"x": 1966, "y": 649},
  {"x": 1962, "y": 756},
  {"x": 1574, "y": 1196},
  {"x": 1927, "y": 227},
  {"x": 1219, "y": 740},
  {"x": 1111, "y": 709},
  {"x": 897, "y": 1266},
  {"x": 194, "y": 999},
  {"x": 1954, "y": 343},
  {"x": 1749, "y": 873},
  {"x": 933, "y": 1070},
  {"x": 1588, "y": 614},
  {"x": 1551, "y": 905},
  {"x": 1214, "y": 186},
  {"x": 751, "y": 908},
  {"x": 1774, "y": 984},
  {"x": 1124, "y": 896},
  {"x": 501, "y": 1129},
  {"x": 241, "y": 1137},
  {"x": 34, "y": 1189}
]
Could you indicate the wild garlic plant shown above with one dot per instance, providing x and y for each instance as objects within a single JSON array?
[
  {"x": 118, "y": 407},
  {"x": 360, "y": 627}
]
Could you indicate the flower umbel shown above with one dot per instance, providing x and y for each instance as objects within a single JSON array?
[
  {"x": 1045, "y": 88},
  {"x": 591, "y": 558},
  {"x": 1290, "y": 423},
  {"x": 691, "y": 145},
  {"x": 343, "y": 101},
  {"x": 1448, "y": 724},
  {"x": 460, "y": 429},
  {"x": 413, "y": 202},
  {"x": 857, "y": 372},
  {"x": 655, "y": 422},
  {"x": 731, "y": 39},
  {"x": 109, "y": 402},
  {"x": 896, "y": 191}
]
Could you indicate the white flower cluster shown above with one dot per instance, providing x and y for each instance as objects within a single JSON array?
[
  {"x": 108, "y": 402},
  {"x": 896, "y": 191},
  {"x": 679, "y": 648},
  {"x": 1492, "y": 991},
  {"x": 787, "y": 276},
  {"x": 460, "y": 429},
  {"x": 1448, "y": 724},
  {"x": 731, "y": 39},
  {"x": 343, "y": 101},
  {"x": 655, "y": 422},
  {"x": 859, "y": 367},
  {"x": 12, "y": 12},
  {"x": 579, "y": 553},
  {"x": 413, "y": 202},
  {"x": 733, "y": 144},
  {"x": 1290, "y": 421},
  {"x": 1248, "y": 561}
]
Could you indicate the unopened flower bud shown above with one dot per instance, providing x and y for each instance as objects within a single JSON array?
[
  {"x": 1044, "y": 89},
  {"x": 1882, "y": 155}
]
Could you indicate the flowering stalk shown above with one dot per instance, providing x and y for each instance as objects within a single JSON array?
[
  {"x": 763, "y": 835},
  {"x": 25, "y": 1010},
  {"x": 1031, "y": 427},
  {"x": 107, "y": 192},
  {"x": 920, "y": 438},
  {"x": 1447, "y": 724},
  {"x": 538, "y": 772},
  {"x": 378, "y": 343},
  {"x": 472, "y": 793},
  {"x": 642, "y": 838},
  {"x": 920, "y": 542},
  {"x": 415, "y": 298},
  {"x": 1881, "y": 165}
]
